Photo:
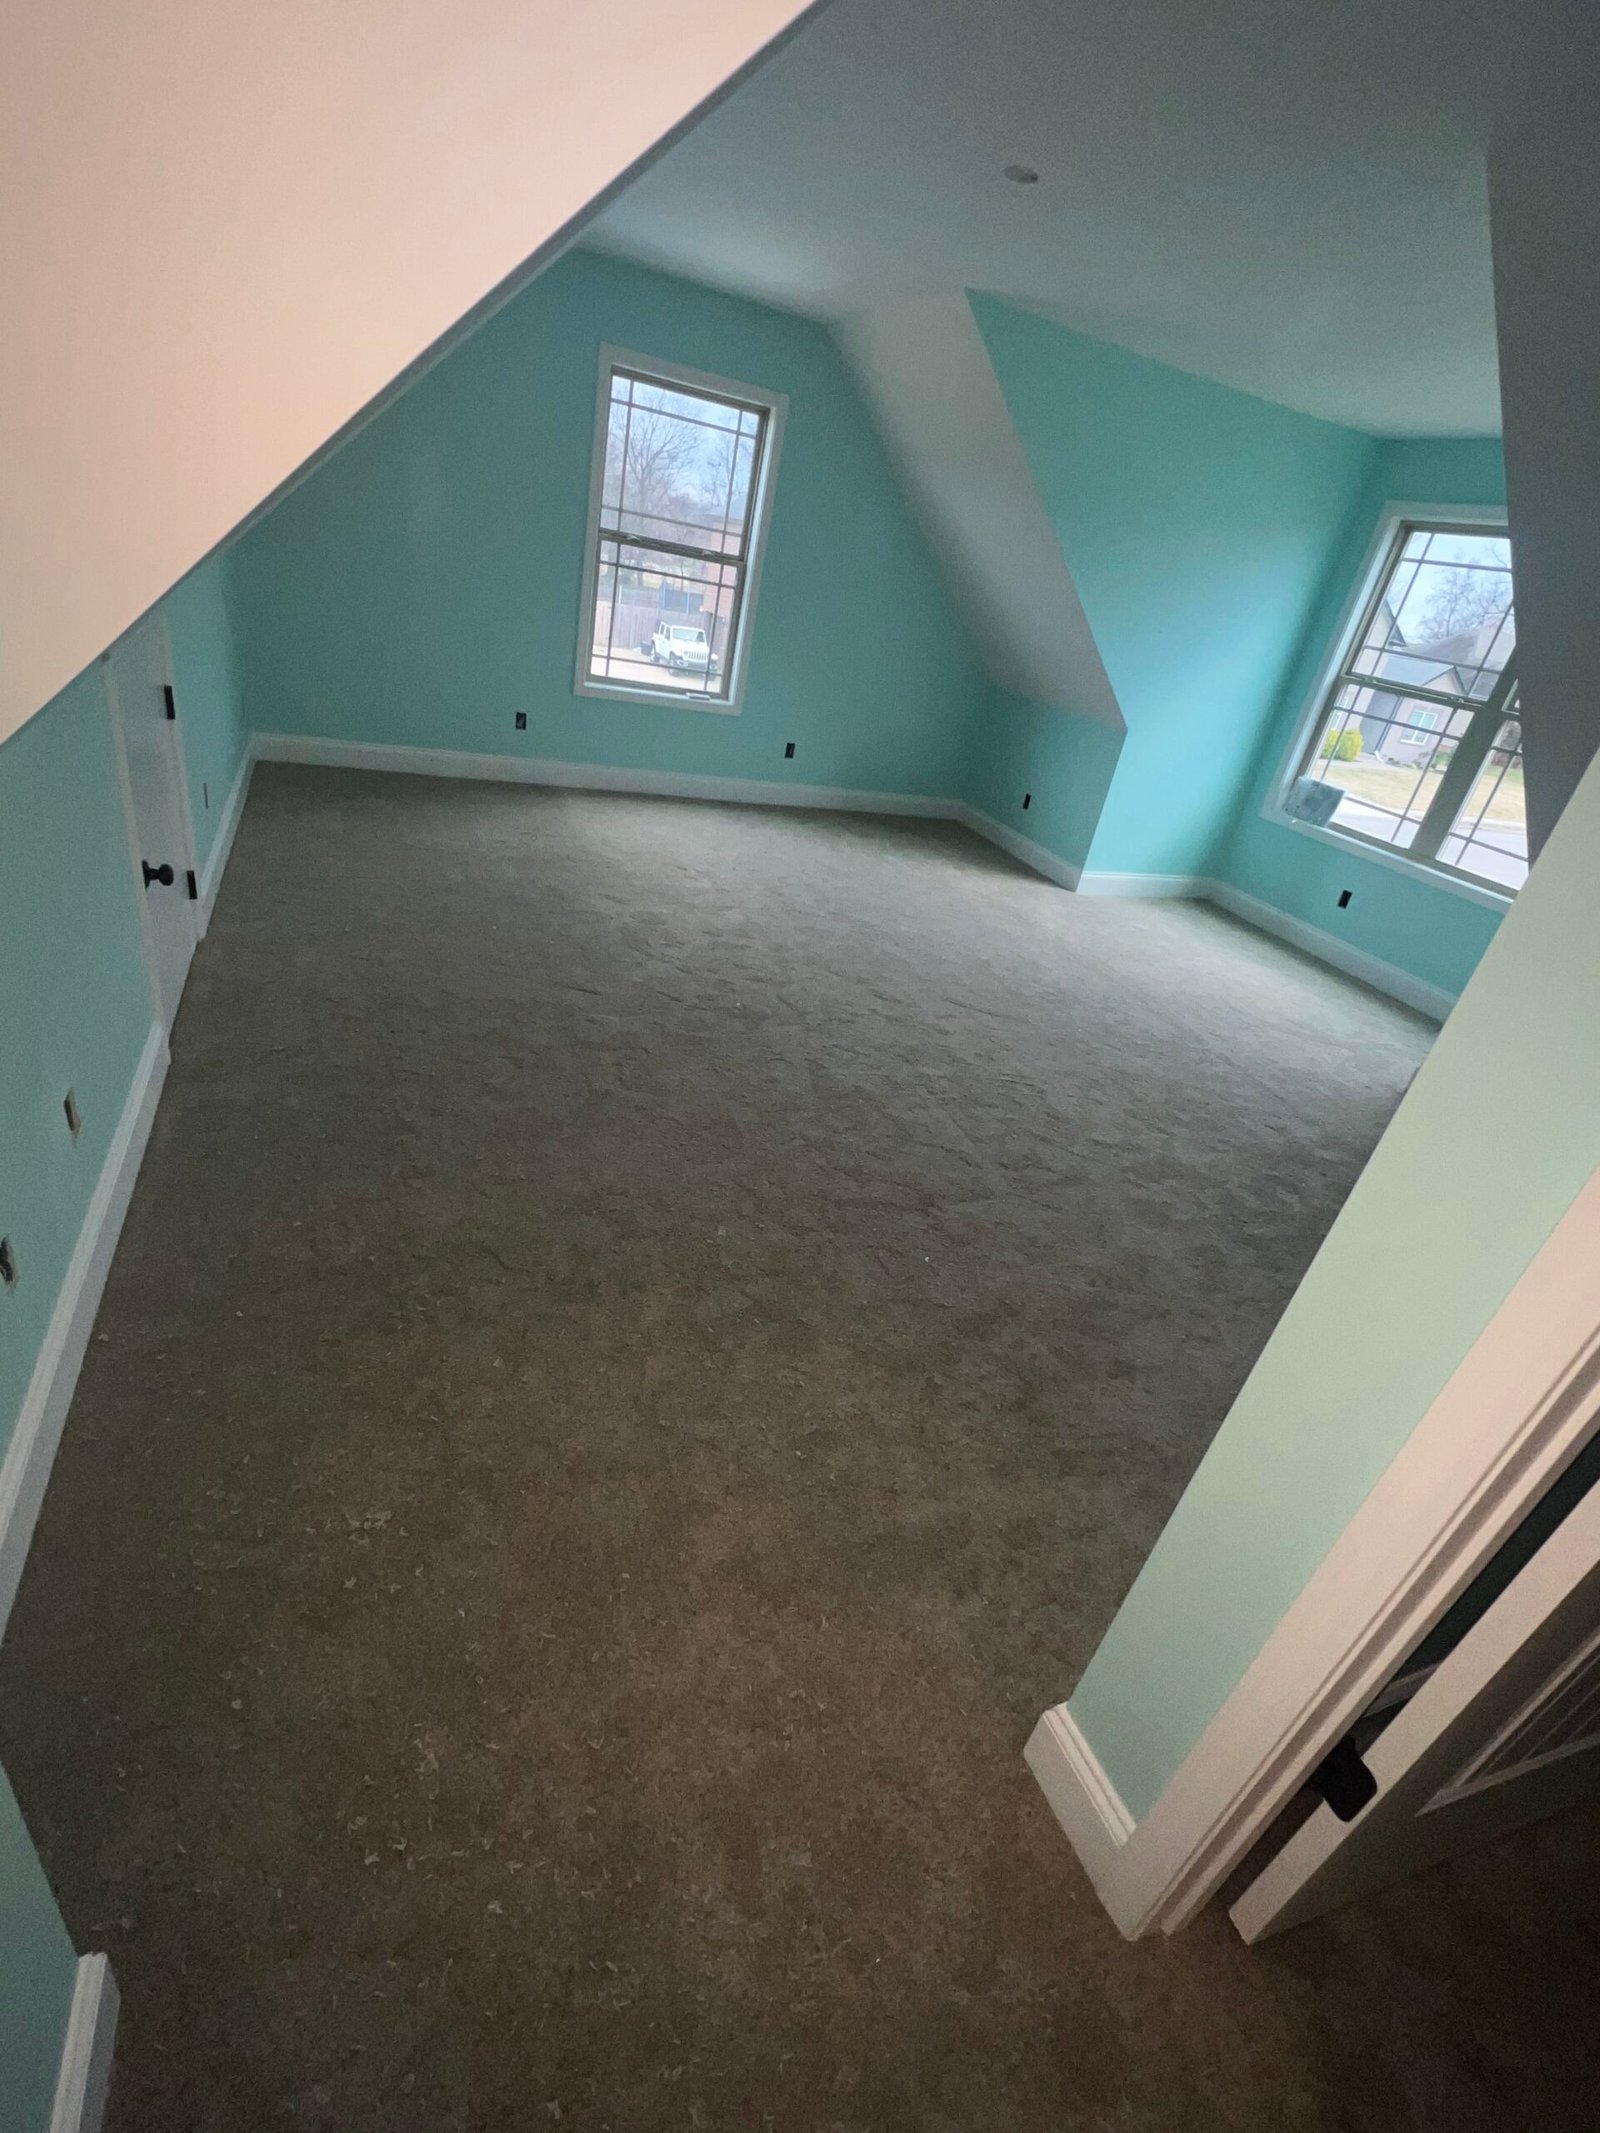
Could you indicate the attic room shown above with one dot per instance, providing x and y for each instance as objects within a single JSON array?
[{"x": 798, "y": 1137}]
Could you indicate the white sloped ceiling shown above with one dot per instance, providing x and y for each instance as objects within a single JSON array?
[{"x": 225, "y": 228}]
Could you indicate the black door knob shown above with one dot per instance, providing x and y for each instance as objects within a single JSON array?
[{"x": 162, "y": 874}]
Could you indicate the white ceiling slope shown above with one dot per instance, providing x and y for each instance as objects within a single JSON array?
[
  {"x": 1285, "y": 195},
  {"x": 926, "y": 374},
  {"x": 225, "y": 228}
]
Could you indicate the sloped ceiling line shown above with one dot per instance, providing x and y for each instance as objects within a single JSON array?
[{"x": 924, "y": 370}]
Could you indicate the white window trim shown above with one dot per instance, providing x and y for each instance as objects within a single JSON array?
[
  {"x": 1434, "y": 872},
  {"x": 777, "y": 408}
]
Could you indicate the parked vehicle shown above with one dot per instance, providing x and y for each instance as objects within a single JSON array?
[{"x": 682, "y": 646}]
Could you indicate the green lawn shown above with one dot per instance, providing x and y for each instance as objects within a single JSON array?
[{"x": 1391, "y": 785}]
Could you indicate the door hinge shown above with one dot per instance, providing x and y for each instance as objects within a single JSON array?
[
  {"x": 167, "y": 700},
  {"x": 194, "y": 886}
]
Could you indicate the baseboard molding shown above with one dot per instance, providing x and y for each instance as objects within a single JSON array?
[
  {"x": 222, "y": 843},
  {"x": 32, "y": 1450},
  {"x": 1061, "y": 871},
  {"x": 1101, "y": 883},
  {"x": 1430, "y": 1000},
  {"x": 85, "y": 2078},
  {"x": 1399, "y": 984},
  {"x": 592, "y": 777},
  {"x": 1082, "y": 1798}
]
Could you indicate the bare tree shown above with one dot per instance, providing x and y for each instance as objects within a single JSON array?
[
  {"x": 1462, "y": 599},
  {"x": 658, "y": 455}
]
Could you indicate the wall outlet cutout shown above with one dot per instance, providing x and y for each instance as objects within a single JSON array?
[
  {"x": 69, "y": 1104},
  {"x": 8, "y": 1263},
  {"x": 1027, "y": 801},
  {"x": 1344, "y": 899},
  {"x": 788, "y": 749},
  {"x": 522, "y": 721}
]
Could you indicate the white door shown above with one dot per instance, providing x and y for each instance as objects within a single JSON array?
[
  {"x": 1504, "y": 1731},
  {"x": 139, "y": 684}
]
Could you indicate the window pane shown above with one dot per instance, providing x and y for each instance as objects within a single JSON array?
[
  {"x": 1489, "y": 837},
  {"x": 679, "y": 466},
  {"x": 1387, "y": 755},
  {"x": 662, "y": 621},
  {"x": 1445, "y": 619}
]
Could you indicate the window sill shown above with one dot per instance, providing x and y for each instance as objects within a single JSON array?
[
  {"x": 1473, "y": 892},
  {"x": 669, "y": 699}
]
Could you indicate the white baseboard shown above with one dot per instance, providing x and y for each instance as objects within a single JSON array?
[
  {"x": 32, "y": 1450},
  {"x": 1430, "y": 1000},
  {"x": 1047, "y": 863},
  {"x": 85, "y": 2078},
  {"x": 222, "y": 843},
  {"x": 1082, "y": 1798},
  {"x": 592, "y": 777},
  {"x": 1098, "y": 882}
]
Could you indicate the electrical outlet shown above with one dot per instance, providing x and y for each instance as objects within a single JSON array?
[
  {"x": 8, "y": 1263},
  {"x": 1027, "y": 801},
  {"x": 69, "y": 1104},
  {"x": 788, "y": 749},
  {"x": 522, "y": 721},
  {"x": 1344, "y": 899}
]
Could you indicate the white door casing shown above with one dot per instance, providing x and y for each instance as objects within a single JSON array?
[
  {"x": 138, "y": 676},
  {"x": 1505, "y": 1730},
  {"x": 1521, "y": 1405}
]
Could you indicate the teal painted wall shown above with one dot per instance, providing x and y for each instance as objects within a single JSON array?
[
  {"x": 423, "y": 587},
  {"x": 77, "y": 1013},
  {"x": 71, "y": 956},
  {"x": 1492, "y": 1143},
  {"x": 37, "y": 1971},
  {"x": 1199, "y": 525},
  {"x": 1064, "y": 760},
  {"x": 1425, "y": 929},
  {"x": 206, "y": 686}
]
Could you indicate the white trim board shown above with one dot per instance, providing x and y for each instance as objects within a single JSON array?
[
  {"x": 32, "y": 1449},
  {"x": 222, "y": 842},
  {"x": 84, "y": 2081},
  {"x": 1430, "y": 1000},
  {"x": 1523, "y": 1402},
  {"x": 1081, "y": 1795},
  {"x": 1152, "y": 886},
  {"x": 1061, "y": 871},
  {"x": 591, "y": 777}
]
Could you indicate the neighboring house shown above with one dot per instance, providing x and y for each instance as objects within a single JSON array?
[{"x": 1449, "y": 663}]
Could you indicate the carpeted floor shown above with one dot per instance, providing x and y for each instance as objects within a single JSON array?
[{"x": 649, "y": 1343}]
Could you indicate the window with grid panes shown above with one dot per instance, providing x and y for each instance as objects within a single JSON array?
[{"x": 1418, "y": 742}]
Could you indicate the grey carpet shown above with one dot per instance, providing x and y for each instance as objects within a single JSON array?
[{"x": 649, "y": 1343}]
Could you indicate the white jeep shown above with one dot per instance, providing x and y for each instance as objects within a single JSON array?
[{"x": 681, "y": 645}]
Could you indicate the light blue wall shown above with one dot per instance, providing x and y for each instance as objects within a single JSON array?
[
  {"x": 73, "y": 978},
  {"x": 423, "y": 587},
  {"x": 1199, "y": 525},
  {"x": 37, "y": 1969},
  {"x": 1423, "y": 928},
  {"x": 206, "y": 686},
  {"x": 1061, "y": 761},
  {"x": 76, "y": 1009},
  {"x": 1492, "y": 1143}
]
